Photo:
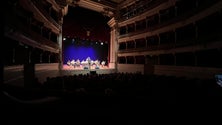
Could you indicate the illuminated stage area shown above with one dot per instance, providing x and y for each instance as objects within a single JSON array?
[
  {"x": 85, "y": 64},
  {"x": 79, "y": 54},
  {"x": 68, "y": 67}
]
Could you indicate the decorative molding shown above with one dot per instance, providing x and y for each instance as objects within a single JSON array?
[
  {"x": 112, "y": 22},
  {"x": 95, "y": 6}
]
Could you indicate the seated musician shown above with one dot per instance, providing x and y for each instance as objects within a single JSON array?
[
  {"x": 68, "y": 62},
  {"x": 89, "y": 61},
  {"x": 78, "y": 62},
  {"x": 97, "y": 64},
  {"x": 103, "y": 63},
  {"x": 73, "y": 63}
]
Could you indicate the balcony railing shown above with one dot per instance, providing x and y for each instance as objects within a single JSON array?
[
  {"x": 45, "y": 13},
  {"x": 143, "y": 7},
  {"x": 25, "y": 30}
]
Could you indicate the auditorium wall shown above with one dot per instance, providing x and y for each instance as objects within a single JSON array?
[
  {"x": 130, "y": 68},
  {"x": 187, "y": 71}
]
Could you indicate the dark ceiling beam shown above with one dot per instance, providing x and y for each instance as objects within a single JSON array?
[{"x": 95, "y": 6}]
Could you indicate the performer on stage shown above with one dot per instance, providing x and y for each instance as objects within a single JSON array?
[
  {"x": 89, "y": 61},
  {"x": 73, "y": 63},
  {"x": 69, "y": 63},
  {"x": 103, "y": 63}
]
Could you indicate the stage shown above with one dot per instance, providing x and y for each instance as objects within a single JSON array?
[
  {"x": 14, "y": 75},
  {"x": 71, "y": 70},
  {"x": 69, "y": 67}
]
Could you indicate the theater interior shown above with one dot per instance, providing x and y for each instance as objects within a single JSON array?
[{"x": 110, "y": 61}]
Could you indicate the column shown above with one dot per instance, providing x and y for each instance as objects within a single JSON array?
[
  {"x": 196, "y": 31},
  {"x": 175, "y": 59},
  {"x": 159, "y": 18},
  {"x": 135, "y": 27},
  {"x": 175, "y": 38},
  {"x": 50, "y": 35},
  {"x": 135, "y": 44},
  {"x": 49, "y": 58},
  {"x": 175, "y": 8},
  {"x": 50, "y": 11},
  {"x": 126, "y": 44},
  {"x": 158, "y": 59},
  {"x": 41, "y": 28},
  {"x": 146, "y": 23},
  {"x": 59, "y": 40},
  {"x": 2, "y": 72},
  {"x": 197, "y": 3},
  {"x": 40, "y": 60},
  {"x": 113, "y": 43},
  {"x": 158, "y": 40},
  {"x": 30, "y": 55},
  {"x": 13, "y": 56},
  {"x": 126, "y": 60},
  {"x": 195, "y": 59},
  {"x": 146, "y": 59},
  {"x": 29, "y": 22}
]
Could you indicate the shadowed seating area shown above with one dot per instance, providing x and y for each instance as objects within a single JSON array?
[
  {"x": 111, "y": 87},
  {"x": 117, "y": 97}
]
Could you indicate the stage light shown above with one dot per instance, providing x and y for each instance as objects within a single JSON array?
[
  {"x": 73, "y": 40},
  {"x": 101, "y": 43},
  {"x": 64, "y": 38}
]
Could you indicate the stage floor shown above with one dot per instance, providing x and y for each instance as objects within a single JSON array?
[
  {"x": 71, "y": 70},
  {"x": 67, "y": 67},
  {"x": 14, "y": 75}
]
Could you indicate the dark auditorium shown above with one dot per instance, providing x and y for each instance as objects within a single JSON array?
[{"x": 110, "y": 61}]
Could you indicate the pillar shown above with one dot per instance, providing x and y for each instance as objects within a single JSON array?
[
  {"x": 175, "y": 59},
  {"x": 159, "y": 18},
  {"x": 50, "y": 33},
  {"x": 127, "y": 29},
  {"x": 113, "y": 43},
  {"x": 196, "y": 31},
  {"x": 50, "y": 11},
  {"x": 59, "y": 40},
  {"x": 30, "y": 55},
  {"x": 158, "y": 40},
  {"x": 176, "y": 9},
  {"x": 40, "y": 58},
  {"x": 125, "y": 60},
  {"x": 41, "y": 28},
  {"x": 49, "y": 58},
  {"x": 126, "y": 45},
  {"x": 13, "y": 56},
  {"x": 135, "y": 44},
  {"x": 158, "y": 60},
  {"x": 135, "y": 26},
  {"x": 175, "y": 38},
  {"x": 195, "y": 59}
]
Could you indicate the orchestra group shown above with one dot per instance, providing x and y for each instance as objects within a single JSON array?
[{"x": 86, "y": 64}]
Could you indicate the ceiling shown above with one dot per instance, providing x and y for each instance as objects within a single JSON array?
[
  {"x": 107, "y": 7},
  {"x": 118, "y": 1},
  {"x": 115, "y": 1}
]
